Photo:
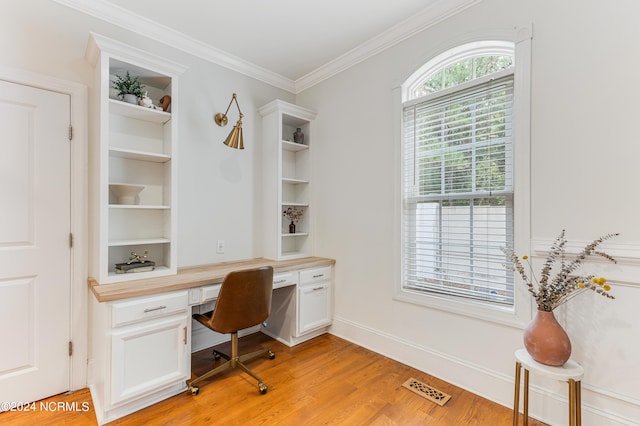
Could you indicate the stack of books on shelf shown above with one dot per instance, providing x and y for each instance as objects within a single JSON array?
[{"x": 143, "y": 266}]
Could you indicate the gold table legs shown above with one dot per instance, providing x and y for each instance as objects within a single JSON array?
[{"x": 575, "y": 415}]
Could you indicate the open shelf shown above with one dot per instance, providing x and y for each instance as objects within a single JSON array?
[
  {"x": 118, "y": 243},
  {"x": 294, "y": 181},
  {"x": 294, "y": 147},
  {"x": 139, "y": 155},
  {"x": 138, "y": 112},
  {"x": 138, "y": 207}
]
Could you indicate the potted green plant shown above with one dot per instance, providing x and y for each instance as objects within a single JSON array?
[{"x": 129, "y": 88}]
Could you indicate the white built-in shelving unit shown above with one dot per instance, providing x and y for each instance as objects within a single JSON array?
[
  {"x": 132, "y": 145},
  {"x": 287, "y": 179}
]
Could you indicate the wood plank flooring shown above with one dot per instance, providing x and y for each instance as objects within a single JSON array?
[{"x": 325, "y": 381}]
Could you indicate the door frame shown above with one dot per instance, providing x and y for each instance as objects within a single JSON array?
[{"x": 78, "y": 327}]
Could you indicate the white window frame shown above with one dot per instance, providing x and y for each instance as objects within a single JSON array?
[{"x": 520, "y": 43}]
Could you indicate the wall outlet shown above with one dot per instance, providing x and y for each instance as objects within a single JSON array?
[{"x": 220, "y": 247}]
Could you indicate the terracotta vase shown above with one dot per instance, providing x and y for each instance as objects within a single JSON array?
[{"x": 546, "y": 341}]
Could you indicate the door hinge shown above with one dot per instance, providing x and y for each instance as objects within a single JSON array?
[
  {"x": 70, "y": 348},
  {"x": 70, "y": 132},
  {"x": 70, "y": 240}
]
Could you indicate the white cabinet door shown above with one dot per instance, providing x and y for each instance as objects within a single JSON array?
[
  {"x": 148, "y": 357},
  {"x": 314, "y": 306}
]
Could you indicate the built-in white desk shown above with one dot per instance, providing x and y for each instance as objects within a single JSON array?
[{"x": 141, "y": 338}]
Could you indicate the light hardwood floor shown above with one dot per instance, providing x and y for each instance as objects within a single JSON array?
[{"x": 325, "y": 381}]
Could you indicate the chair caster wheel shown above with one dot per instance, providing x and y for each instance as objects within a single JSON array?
[
  {"x": 194, "y": 390},
  {"x": 262, "y": 388},
  {"x": 216, "y": 355},
  {"x": 272, "y": 355}
]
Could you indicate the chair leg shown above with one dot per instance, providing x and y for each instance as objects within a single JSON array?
[
  {"x": 218, "y": 369},
  {"x": 217, "y": 355},
  {"x": 246, "y": 369},
  {"x": 256, "y": 354},
  {"x": 234, "y": 361}
]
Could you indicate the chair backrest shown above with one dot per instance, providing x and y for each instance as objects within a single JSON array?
[{"x": 244, "y": 300}]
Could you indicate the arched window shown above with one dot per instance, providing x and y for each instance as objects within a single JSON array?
[
  {"x": 458, "y": 65},
  {"x": 457, "y": 174}
]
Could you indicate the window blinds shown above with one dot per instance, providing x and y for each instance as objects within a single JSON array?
[{"x": 458, "y": 191}]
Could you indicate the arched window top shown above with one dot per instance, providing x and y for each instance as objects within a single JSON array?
[{"x": 459, "y": 65}]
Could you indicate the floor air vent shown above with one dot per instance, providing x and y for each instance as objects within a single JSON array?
[{"x": 424, "y": 390}]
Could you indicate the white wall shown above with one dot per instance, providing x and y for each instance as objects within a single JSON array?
[{"x": 583, "y": 159}]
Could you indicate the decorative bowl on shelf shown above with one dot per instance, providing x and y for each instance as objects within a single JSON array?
[{"x": 126, "y": 194}]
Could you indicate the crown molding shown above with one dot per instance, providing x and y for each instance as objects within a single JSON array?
[
  {"x": 129, "y": 54},
  {"x": 141, "y": 25},
  {"x": 435, "y": 13}
]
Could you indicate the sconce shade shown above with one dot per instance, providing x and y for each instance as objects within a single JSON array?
[{"x": 234, "y": 140}]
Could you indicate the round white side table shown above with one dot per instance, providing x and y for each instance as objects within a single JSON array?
[{"x": 571, "y": 372}]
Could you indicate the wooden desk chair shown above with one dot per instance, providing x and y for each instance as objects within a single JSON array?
[{"x": 244, "y": 301}]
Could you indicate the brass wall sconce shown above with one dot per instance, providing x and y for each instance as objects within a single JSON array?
[{"x": 234, "y": 140}]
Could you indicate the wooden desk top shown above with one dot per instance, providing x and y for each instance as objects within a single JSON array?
[{"x": 196, "y": 276}]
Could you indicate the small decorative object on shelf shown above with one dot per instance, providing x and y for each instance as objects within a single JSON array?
[
  {"x": 136, "y": 263},
  {"x": 294, "y": 215},
  {"x": 165, "y": 102},
  {"x": 129, "y": 88},
  {"x": 146, "y": 101},
  {"x": 125, "y": 193},
  {"x": 544, "y": 338},
  {"x": 298, "y": 136}
]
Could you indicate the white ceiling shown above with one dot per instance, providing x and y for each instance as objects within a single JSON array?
[{"x": 291, "y": 43}]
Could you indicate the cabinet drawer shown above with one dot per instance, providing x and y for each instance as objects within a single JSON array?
[
  {"x": 148, "y": 307},
  {"x": 284, "y": 279},
  {"x": 210, "y": 292},
  {"x": 316, "y": 275}
]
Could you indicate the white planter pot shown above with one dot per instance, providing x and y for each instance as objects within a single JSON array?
[{"x": 132, "y": 99}]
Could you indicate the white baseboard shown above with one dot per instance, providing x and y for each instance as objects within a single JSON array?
[{"x": 549, "y": 406}]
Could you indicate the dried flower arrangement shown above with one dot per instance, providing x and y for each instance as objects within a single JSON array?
[
  {"x": 551, "y": 293},
  {"x": 293, "y": 214}
]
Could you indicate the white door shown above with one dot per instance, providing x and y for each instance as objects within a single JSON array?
[{"x": 35, "y": 257}]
